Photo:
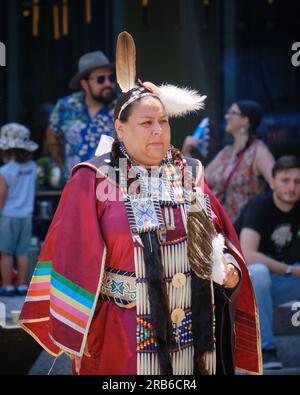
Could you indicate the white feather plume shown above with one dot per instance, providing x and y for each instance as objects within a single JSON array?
[
  {"x": 180, "y": 101},
  {"x": 219, "y": 265}
]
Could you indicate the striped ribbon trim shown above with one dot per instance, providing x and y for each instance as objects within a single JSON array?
[
  {"x": 69, "y": 303},
  {"x": 39, "y": 288}
]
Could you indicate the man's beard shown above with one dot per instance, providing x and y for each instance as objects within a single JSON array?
[{"x": 103, "y": 99}]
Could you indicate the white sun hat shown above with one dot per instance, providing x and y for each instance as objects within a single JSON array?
[{"x": 15, "y": 135}]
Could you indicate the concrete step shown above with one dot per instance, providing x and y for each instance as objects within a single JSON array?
[
  {"x": 286, "y": 326},
  {"x": 286, "y": 319},
  {"x": 19, "y": 350},
  {"x": 288, "y": 348},
  {"x": 17, "y": 341},
  {"x": 9, "y": 307}
]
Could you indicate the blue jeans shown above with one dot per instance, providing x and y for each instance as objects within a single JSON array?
[{"x": 271, "y": 289}]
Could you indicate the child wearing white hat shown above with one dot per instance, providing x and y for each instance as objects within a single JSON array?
[{"x": 17, "y": 191}]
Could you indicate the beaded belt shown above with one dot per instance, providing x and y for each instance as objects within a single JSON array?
[{"x": 119, "y": 286}]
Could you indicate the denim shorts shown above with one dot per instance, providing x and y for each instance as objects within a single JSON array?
[{"x": 15, "y": 235}]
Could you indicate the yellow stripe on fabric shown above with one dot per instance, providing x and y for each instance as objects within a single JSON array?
[
  {"x": 40, "y": 279},
  {"x": 69, "y": 300},
  {"x": 83, "y": 344}
]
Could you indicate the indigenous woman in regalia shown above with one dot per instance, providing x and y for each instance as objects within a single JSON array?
[{"x": 141, "y": 271}]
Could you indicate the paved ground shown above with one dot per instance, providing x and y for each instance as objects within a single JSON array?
[{"x": 62, "y": 365}]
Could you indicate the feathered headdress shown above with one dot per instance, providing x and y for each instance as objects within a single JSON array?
[
  {"x": 177, "y": 101},
  {"x": 125, "y": 62}
]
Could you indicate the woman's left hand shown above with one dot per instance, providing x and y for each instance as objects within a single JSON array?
[{"x": 232, "y": 276}]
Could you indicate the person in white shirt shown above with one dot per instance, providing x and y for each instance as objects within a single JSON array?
[{"x": 17, "y": 191}]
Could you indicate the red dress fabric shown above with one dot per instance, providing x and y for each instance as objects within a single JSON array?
[{"x": 80, "y": 231}]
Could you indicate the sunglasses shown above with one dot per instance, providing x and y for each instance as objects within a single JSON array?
[
  {"x": 101, "y": 78},
  {"x": 233, "y": 113}
]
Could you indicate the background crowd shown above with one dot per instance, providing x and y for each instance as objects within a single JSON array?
[{"x": 259, "y": 189}]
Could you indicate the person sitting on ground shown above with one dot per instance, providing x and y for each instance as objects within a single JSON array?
[
  {"x": 17, "y": 189},
  {"x": 268, "y": 228}
]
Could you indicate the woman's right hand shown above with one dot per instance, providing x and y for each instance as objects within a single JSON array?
[{"x": 189, "y": 144}]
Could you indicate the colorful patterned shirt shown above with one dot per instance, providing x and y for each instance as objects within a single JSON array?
[
  {"x": 244, "y": 183},
  {"x": 81, "y": 133}
]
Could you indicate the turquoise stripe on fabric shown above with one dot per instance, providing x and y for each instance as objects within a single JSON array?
[
  {"x": 42, "y": 272},
  {"x": 72, "y": 294}
]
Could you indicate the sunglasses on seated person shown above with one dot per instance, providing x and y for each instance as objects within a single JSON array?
[
  {"x": 101, "y": 78},
  {"x": 233, "y": 112}
]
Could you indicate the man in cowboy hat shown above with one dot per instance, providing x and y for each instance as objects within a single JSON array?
[{"x": 78, "y": 120}]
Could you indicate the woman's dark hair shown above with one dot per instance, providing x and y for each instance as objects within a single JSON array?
[
  {"x": 285, "y": 163},
  {"x": 18, "y": 154},
  {"x": 253, "y": 111},
  {"x": 128, "y": 110}
]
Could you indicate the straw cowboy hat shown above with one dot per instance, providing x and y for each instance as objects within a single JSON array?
[
  {"x": 88, "y": 63},
  {"x": 15, "y": 135}
]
